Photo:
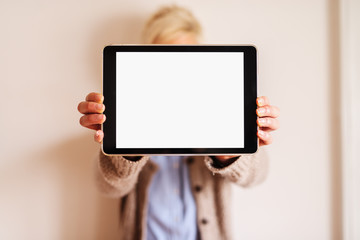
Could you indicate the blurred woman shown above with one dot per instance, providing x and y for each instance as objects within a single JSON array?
[{"x": 176, "y": 197}]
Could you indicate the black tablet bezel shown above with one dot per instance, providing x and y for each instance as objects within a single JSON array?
[{"x": 250, "y": 94}]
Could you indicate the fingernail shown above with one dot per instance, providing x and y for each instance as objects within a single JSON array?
[
  {"x": 100, "y": 117},
  {"x": 261, "y": 111},
  {"x": 99, "y": 97},
  {"x": 262, "y": 121},
  {"x": 260, "y": 102},
  {"x": 97, "y": 134},
  {"x": 99, "y": 106},
  {"x": 262, "y": 133}
]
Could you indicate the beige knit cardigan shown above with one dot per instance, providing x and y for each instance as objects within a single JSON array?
[{"x": 129, "y": 181}]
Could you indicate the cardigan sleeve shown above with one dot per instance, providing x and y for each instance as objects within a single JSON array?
[
  {"x": 116, "y": 176},
  {"x": 246, "y": 170}
]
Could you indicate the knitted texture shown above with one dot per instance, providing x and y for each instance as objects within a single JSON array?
[{"x": 130, "y": 181}]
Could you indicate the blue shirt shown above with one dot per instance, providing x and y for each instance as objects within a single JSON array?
[{"x": 171, "y": 208}]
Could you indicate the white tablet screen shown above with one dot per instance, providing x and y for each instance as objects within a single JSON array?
[{"x": 179, "y": 100}]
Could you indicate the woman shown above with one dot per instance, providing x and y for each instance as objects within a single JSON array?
[{"x": 176, "y": 197}]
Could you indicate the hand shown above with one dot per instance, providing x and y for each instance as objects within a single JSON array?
[
  {"x": 267, "y": 122},
  {"x": 92, "y": 109}
]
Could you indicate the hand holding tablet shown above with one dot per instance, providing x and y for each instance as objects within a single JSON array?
[
  {"x": 93, "y": 118},
  {"x": 195, "y": 95}
]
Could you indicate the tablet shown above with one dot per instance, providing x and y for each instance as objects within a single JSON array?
[{"x": 180, "y": 100}]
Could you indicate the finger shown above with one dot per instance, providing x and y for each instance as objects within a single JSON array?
[
  {"x": 262, "y": 101},
  {"x": 95, "y": 97},
  {"x": 99, "y": 135},
  {"x": 91, "y": 107},
  {"x": 264, "y": 137},
  {"x": 94, "y": 127},
  {"x": 268, "y": 111},
  {"x": 268, "y": 123},
  {"x": 92, "y": 119}
]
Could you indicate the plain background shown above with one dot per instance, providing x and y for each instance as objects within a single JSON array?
[{"x": 51, "y": 55}]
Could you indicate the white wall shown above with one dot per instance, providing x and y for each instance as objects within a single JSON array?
[
  {"x": 350, "y": 98},
  {"x": 50, "y": 59}
]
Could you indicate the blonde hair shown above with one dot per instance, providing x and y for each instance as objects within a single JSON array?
[{"x": 170, "y": 21}]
